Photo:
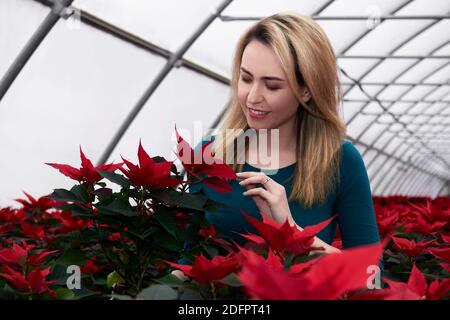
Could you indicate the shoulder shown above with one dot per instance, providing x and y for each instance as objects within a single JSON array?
[{"x": 350, "y": 156}]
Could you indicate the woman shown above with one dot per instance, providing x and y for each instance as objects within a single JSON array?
[{"x": 285, "y": 79}]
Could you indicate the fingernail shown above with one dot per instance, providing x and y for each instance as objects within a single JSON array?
[
  {"x": 241, "y": 183},
  {"x": 239, "y": 174},
  {"x": 244, "y": 193}
]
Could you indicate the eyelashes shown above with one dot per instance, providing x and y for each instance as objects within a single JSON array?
[{"x": 271, "y": 88}]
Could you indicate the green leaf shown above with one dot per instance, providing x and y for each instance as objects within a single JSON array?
[
  {"x": 80, "y": 192},
  {"x": 72, "y": 257},
  {"x": 119, "y": 297},
  {"x": 77, "y": 210},
  {"x": 182, "y": 200},
  {"x": 142, "y": 235},
  {"x": 231, "y": 280},
  {"x": 103, "y": 193},
  {"x": 115, "y": 178},
  {"x": 167, "y": 241},
  {"x": 83, "y": 293},
  {"x": 7, "y": 293},
  {"x": 212, "y": 252},
  {"x": 114, "y": 278},
  {"x": 170, "y": 280},
  {"x": 64, "y": 195},
  {"x": 118, "y": 207},
  {"x": 167, "y": 219},
  {"x": 189, "y": 294},
  {"x": 65, "y": 294},
  {"x": 158, "y": 292}
]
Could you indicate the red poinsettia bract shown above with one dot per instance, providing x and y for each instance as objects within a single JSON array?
[
  {"x": 326, "y": 277},
  {"x": 284, "y": 238},
  {"x": 205, "y": 271},
  {"x": 149, "y": 173},
  {"x": 87, "y": 173},
  {"x": 203, "y": 162}
]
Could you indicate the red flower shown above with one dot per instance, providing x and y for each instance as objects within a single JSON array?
[
  {"x": 209, "y": 232},
  {"x": 42, "y": 204},
  {"x": 149, "y": 174},
  {"x": 10, "y": 215},
  {"x": 432, "y": 213},
  {"x": 337, "y": 243},
  {"x": 386, "y": 225},
  {"x": 442, "y": 253},
  {"x": 70, "y": 223},
  {"x": 91, "y": 267},
  {"x": 410, "y": 247},
  {"x": 15, "y": 278},
  {"x": 211, "y": 235},
  {"x": 20, "y": 255},
  {"x": 206, "y": 271},
  {"x": 87, "y": 173},
  {"x": 445, "y": 238},
  {"x": 330, "y": 276},
  {"x": 34, "y": 281},
  {"x": 415, "y": 289},
  {"x": 115, "y": 236},
  {"x": 283, "y": 237},
  {"x": 424, "y": 227},
  {"x": 203, "y": 162},
  {"x": 31, "y": 231}
]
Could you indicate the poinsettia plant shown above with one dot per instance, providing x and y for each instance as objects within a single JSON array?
[
  {"x": 123, "y": 228},
  {"x": 118, "y": 239}
]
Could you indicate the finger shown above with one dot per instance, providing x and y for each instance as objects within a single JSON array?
[
  {"x": 250, "y": 186},
  {"x": 269, "y": 185},
  {"x": 263, "y": 193},
  {"x": 246, "y": 174}
]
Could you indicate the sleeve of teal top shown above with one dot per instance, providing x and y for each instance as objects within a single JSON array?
[{"x": 354, "y": 204}]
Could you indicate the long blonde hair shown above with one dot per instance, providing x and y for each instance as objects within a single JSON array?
[{"x": 307, "y": 59}]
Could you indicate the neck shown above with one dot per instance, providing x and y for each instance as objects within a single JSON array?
[
  {"x": 287, "y": 137},
  {"x": 284, "y": 146}
]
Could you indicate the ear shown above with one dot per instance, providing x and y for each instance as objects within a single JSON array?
[{"x": 306, "y": 95}]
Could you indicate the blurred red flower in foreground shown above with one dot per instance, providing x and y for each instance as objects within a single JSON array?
[{"x": 324, "y": 278}]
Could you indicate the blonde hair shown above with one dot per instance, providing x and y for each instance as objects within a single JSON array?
[{"x": 307, "y": 59}]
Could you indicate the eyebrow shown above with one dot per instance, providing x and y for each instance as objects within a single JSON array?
[{"x": 265, "y": 78}]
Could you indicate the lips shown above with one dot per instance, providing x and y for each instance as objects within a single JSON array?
[{"x": 255, "y": 113}]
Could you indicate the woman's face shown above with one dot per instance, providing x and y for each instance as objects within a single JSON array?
[{"x": 263, "y": 87}]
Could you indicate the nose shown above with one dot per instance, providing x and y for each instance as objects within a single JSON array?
[{"x": 254, "y": 95}]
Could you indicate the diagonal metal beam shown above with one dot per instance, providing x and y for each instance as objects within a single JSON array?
[
  {"x": 345, "y": 18},
  {"x": 385, "y": 146},
  {"x": 374, "y": 141},
  {"x": 384, "y": 153},
  {"x": 33, "y": 43},
  {"x": 407, "y": 84},
  {"x": 391, "y": 56},
  {"x": 159, "y": 78}
]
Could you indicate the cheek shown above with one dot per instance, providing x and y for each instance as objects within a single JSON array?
[
  {"x": 282, "y": 102},
  {"x": 242, "y": 95}
]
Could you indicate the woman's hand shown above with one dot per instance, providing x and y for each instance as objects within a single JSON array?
[
  {"x": 270, "y": 198},
  {"x": 272, "y": 201}
]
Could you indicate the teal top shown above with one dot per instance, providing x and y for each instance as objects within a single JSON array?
[{"x": 351, "y": 202}]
